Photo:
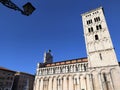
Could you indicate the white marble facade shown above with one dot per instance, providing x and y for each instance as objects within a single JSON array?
[
  {"x": 98, "y": 71},
  {"x": 76, "y": 76}
]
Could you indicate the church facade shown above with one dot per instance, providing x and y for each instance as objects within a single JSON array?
[{"x": 98, "y": 71}]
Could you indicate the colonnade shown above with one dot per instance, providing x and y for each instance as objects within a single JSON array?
[
  {"x": 60, "y": 83},
  {"x": 81, "y": 81},
  {"x": 63, "y": 69}
]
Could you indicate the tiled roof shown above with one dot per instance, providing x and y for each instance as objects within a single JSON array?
[
  {"x": 5, "y": 69},
  {"x": 78, "y": 60}
]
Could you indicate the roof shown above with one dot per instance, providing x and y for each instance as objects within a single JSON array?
[
  {"x": 16, "y": 72},
  {"x": 23, "y": 73},
  {"x": 65, "y": 62},
  {"x": 5, "y": 69}
]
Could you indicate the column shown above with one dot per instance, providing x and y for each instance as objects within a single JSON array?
[
  {"x": 51, "y": 70},
  {"x": 70, "y": 83},
  {"x": 100, "y": 81},
  {"x": 83, "y": 84},
  {"x": 79, "y": 66},
  {"x": 79, "y": 83},
  {"x": 65, "y": 83},
  {"x": 66, "y": 68},
  {"x": 54, "y": 84},
  {"x": 62, "y": 83},
  {"x": 74, "y": 68},
  {"x": 111, "y": 81},
  {"x": 50, "y": 84},
  {"x": 82, "y": 67},
  {"x": 75, "y": 83},
  {"x": 41, "y": 84},
  {"x": 35, "y": 84},
  {"x": 58, "y": 84},
  {"x": 91, "y": 82},
  {"x": 46, "y": 84},
  {"x": 39, "y": 81},
  {"x": 88, "y": 82}
]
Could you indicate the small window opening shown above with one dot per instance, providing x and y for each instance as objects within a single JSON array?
[
  {"x": 100, "y": 56},
  {"x": 89, "y": 21},
  {"x": 90, "y": 29},
  {"x": 97, "y": 27},
  {"x": 100, "y": 27},
  {"x": 96, "y": 37},
  {"x": 97, "y": 19}
]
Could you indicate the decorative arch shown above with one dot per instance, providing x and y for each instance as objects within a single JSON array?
[
  {"x": 95, "y": 81},
  {"x": 59, "y": 76},
  {"x": 114, "y": 75},
  {"x": 45, "y": 78},
  {"x": 69, "y": 76},
  {"x": 92, "y": 71},
  {"x": 64, "y": 76},
  {"x": 106, "y": 79},
  {"x": 74, "y": 75},
  {"x": 111, "y": 69},
  {"x": 102, "y": 70}
]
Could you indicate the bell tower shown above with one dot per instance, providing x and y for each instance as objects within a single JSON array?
[
  {"x": 99, "y": 46},
  {"x": 48, "y": 58}
]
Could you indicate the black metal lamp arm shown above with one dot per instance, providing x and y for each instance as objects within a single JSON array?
[{"x": 11, "y": 5}]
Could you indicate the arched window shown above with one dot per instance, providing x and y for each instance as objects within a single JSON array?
[
  {"x": 105, "y": 84},
  {"x": 98, "y": 27},
  {"x": 89, "y": 22},
  {"x": 97, "y": 19},
  {"x": 90, "y": 29},
  {"x": 96, "y": 37}
]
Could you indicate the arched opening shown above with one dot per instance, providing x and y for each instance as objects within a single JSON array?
[{"x": 96, "y": 37}]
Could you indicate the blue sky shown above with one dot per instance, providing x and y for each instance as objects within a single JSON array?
[{"x": 55, "y": 25}]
